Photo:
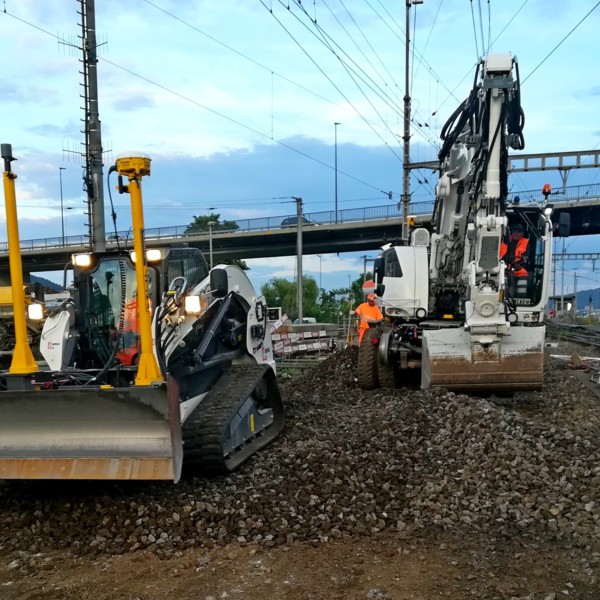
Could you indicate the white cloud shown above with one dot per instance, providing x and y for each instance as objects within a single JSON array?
[{"x": 158, "y": 78}]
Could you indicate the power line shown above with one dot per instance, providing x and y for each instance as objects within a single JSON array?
[
  {"x": 561, "y": 42},
  {"x": 207, "y": 108},
  {"x": 327, "y": 76}
]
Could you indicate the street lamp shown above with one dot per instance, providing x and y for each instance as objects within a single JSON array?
[
  {"x": 210, "y": 253},
  {"x": 335, "y": 126},
  {"x": 299, "y": 291},
  {"x": 66, "y": 223},
  {"x": 320, "y": 280},
  {"x": 62, "y": 214}
]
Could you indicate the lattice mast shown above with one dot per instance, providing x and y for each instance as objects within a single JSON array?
[{"x": 92, "y": 176}]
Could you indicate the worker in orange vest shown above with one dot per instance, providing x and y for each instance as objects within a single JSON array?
[
  {"x": 368, "y": 312},
  {"x": 514, "y": 254}
]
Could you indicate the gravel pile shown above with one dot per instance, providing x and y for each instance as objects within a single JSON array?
[{"x": 350, "y": 464}]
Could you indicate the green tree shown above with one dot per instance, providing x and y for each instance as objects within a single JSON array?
[
  {"x": 200, "y": 225},
  {"x": 325, "y": 306},
  {"x": 282, "y": 292}
]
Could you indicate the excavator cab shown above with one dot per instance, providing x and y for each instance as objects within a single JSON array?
[{"x": 526, "y": 287}]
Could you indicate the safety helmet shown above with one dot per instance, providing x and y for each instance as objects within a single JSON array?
[{"x": 371, "y": 296}]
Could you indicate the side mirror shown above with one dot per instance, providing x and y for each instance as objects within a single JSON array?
[
  {"x": 218, "y": 283},
  {"x": 378, "y": 270}
]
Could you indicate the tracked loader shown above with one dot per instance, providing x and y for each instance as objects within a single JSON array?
[{"x": 154, "y": 361}]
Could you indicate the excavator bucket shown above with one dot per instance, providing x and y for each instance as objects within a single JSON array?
[
  {"x": 91, "y": 433},
  {"x": 452, "y": 360}
]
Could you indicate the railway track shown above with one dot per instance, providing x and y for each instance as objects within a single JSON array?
[{"x": 588, "y": 335}]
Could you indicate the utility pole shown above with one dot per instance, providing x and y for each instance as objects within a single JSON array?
[
  {"x": 365, "y": 257},
  {"x": 335, "y": 125},
  {"x": 93, "y": 136},
  {"x": 406, "y": 136},
  {"x": 210, "y": 245},
  {"x": 320, "y": 273},
  {"x": 299, "y": 257},
  {"x": 562, "y": 282},
  {"x": 62, "y": 211}
]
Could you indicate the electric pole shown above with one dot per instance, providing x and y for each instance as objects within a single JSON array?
[
  {"x": 299, "y": 256},
  {"x": 406, "y": 136}
]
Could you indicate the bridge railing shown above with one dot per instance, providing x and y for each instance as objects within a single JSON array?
[{"x": 351, "y": 215}]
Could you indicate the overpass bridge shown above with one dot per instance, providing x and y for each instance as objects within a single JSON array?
[{"x": 360, "y": 229}]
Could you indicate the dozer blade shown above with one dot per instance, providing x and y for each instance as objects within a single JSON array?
[
  {"x": 91, "y": 433},
  {"x": 453, "y": 361}
]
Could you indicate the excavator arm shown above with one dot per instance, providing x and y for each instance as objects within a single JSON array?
[{"x": 482, "y": 350}]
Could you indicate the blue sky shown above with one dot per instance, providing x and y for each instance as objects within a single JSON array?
[{"x": 236, "y": 103}]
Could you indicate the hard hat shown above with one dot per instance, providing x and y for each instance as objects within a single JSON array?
[{"x": 371, "y": 296}]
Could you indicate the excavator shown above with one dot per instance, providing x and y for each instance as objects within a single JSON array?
[
  {"x": 154, "y": 362},
  {"x": 475, "y": 322}
]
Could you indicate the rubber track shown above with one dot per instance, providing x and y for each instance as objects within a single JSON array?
[{"x": 205, "y": 430}]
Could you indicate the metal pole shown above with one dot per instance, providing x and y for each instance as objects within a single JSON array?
[
  {"x": 320, "y": 273},
  {"x": 554, "y": 261},
  {"x": 135, "y": 168},
  {"x": 406, "y": 136},
  {"x": 94, "y": 134},
  {"x": 22, "y": 360},
  {"x": 62, "y": 214},
  {"x": 562, "y": 282},
  {"x": 210, "y": 224},
  {"x": 299, "y": 256},
  {"x": 335, "y": 126}
]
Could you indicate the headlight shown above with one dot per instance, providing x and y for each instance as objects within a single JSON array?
[
  {"x": 35, "y": 311},
  {"x": 192, "y": 305},
  {"x": 152, "y": 255},
  {"x": 82, "y": 260}
]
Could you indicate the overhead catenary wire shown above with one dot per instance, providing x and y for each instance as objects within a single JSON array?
[
  {"x": 346, "y": 67},
  {"x": 207, "y": 108},
  {"x": 561, "y": 41}
]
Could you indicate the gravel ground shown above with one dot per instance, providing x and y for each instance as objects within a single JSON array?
[{"x": 352, "y": 465}]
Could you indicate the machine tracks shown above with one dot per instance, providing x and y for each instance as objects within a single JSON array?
[{"x": 241, "y": 414}]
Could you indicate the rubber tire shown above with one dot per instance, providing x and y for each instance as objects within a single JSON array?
[
  {"x": 387, "y": 376},
  {"x": 368, "y": 361}
]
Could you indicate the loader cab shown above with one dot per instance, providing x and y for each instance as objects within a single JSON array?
[
  {"x": 105, "y": 296},
  {"x": 529, "y": 290}
]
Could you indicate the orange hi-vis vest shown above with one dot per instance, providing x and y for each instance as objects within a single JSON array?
[
  {"x": 520, "y": 248},
  {"x": 365, "y": 311}
]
